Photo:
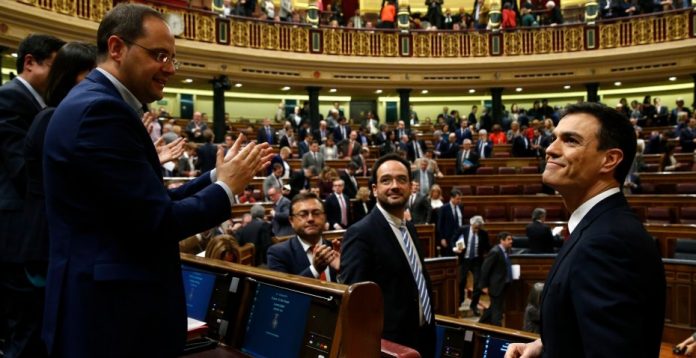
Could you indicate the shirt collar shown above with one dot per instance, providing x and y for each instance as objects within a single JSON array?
[
  {"x": 391, "y": 219},
  {"x": 127, "y": 96},
  {"x": 583, "y": 209},
  {"x": 33, "y": 92},
  {"x": 305, "y": 245}
]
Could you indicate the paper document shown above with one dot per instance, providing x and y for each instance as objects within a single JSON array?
[{"x": 515, "y": 272}]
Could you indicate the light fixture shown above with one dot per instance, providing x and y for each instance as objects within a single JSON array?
[
  {"x": 14, "y": 54},
  {"x": 333, "y": 90},
  {"x": 617, "y": 83},
  {"x": 518, "y": 89},
  {"x": 378, "y": 91},
  {"x": 188, "y": 80},
  {"x": 424, "y": 91},
  {"x": 238, "y": 85},
  {"x": 672, "y": 78},
  {"x": 566, "y": 87},
  {"x": 286, "y": 88},
  {"x": 472, "y": 91}
]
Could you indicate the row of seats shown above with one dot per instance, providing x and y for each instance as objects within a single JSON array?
[
  {"x": 505, "y": 189},
  {"x": 507, "y": 170},
  {"x": 667, "y": 215},
  {"x": 668, "y": 188}
]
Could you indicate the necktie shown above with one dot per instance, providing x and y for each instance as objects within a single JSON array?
[
  {"x": 509, "y": 267},
  {"x": 268, "y": 134},
  {"x": 350, "y": 149},
  {"x": 472, "y": 246},
  {"x": 413, "y": 198},
  {"x": 423, "y": 297},
  {"x": 481, "y": 147},
  {"x": 364, "y": 165},
  {"x": 280, "y": 183},
  {"x": 344, "y": 214}
]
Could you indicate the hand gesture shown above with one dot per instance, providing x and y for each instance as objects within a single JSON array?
[
  {"x": 323, "y": 255},
  {"x": 171, "y": 151},
  {"x": 239, "y": 167},
  {"x": 522, "y": 350},
  {"x": 147, "y": 119}
]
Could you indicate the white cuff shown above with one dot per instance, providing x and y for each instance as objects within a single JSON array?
[
  {"x": 227, "y": 190},
  {"x": 314, "y": 271}
]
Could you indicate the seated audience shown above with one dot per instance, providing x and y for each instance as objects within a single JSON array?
[
  {"x": 247, "y": 196},
  {"x": 257, "y": 232}
]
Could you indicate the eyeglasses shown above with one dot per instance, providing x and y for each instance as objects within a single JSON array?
[
  {"x": 305, "y": 214},
  {"x": 159, "y": 56},
  {"x": 388, "y": 180}
]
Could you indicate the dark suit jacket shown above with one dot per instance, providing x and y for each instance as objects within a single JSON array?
[
  {"x": 333, "y": 210},
  {"x": 100, "y": 165},
  {"x": 473, "y": 158},
  {"x": 420, "y": 210},
  {"x": 488, "y": 149},
  {"x": 257, "y": 232},
  {"x": 337, "y": 133},
  {"x": 281, "y": 220},
  {"x": 289, "y": 257},
  {"x": 358, "y": 210},
  {"x": 540, "y": 237},
  {"x": 302, "y": 148},
  {"x": 207, "y": 155},
  {"x": 520, "y": 149},
  {"x": 605, "y": 294},
  {"x": 262, "y": 137},
  {"x": 686, "y": 139},
  {"x": 446, "y": 226},
  {"x": 349, "y": 188},
  {"x": 17, "y": 111},
  {"x": 371, "y": 252},
  {"x": 483, "y": 241},
  {"x": 447, "y": 149},
  {"x": 298, "y": 181},
  {"x": 494, "y": 272},
  {"x": 343, "y": 148},
  {"x": 415, "y": 176},
  {"x": 411, "y": 151}
]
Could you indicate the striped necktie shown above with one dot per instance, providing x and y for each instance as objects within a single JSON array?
[{"x": 423, "y": 297}]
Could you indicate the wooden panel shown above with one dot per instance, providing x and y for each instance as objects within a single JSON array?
[
  {"x": 443, "y": 273},
  {"x": 426, "y": 235}
]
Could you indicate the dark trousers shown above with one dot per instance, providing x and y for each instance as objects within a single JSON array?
[
  {"x": 473, "y": 265},
  {"x": 494, "y": 314},
  {"x": 22, "y": 313}
]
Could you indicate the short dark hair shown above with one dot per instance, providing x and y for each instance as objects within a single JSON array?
[
  {"x": 502, "y": 235},
  {"x": 386, "y": 158},
  {"x": 615, "y": 131},
  {"x": 455, "y": 192},
  {"x": 125, "y": 21},
  {"x": 277, "y": 166},
  {"x": 305, "y": 196},
  {"x": 71, "y": 60},
  {"x": 39, "y": 46}
]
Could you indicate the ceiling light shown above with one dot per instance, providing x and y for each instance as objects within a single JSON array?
[
  {"x": 617, "y": 83},
  {"x": 14, "y": 54},
  {"x": 518, "y": 89},
  {"x": 424, "y": 91},
  {"x": 566, "y": 87},
  {"x": 188, "y": 80},
  {"x": 378, "y": 91},
  {"x": 238, "y": 85},
  {"x": 333, "y": 90},
  {"x": 286, "y": 88},
  {"x": 672, "y": 78},
  {"x": 472, "y": 91}
]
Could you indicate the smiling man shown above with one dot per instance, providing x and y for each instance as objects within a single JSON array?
[
  {"x": 605, "y": 294},
  {"x": 114, "y": 283},
  {"x": 384, "y": 248}
]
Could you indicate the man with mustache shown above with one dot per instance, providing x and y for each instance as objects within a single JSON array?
[{"x": 605, "y": 294}]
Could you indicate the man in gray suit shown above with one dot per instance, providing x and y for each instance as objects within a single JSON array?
[
  {"x": 418, "y": 205},
  {"x": 424, "y": 177},
  {"x": 274, "y": 180},
  {"x": 280, "y": 213},
  {"x": 313, "y": 158}
]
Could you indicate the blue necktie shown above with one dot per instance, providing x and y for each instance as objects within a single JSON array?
[
  {"x": 423, "y": 297},
  {"x": 508, "y": 278},
  {"x": 472, "y": 246}
]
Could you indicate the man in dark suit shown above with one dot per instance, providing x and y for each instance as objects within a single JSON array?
[
  {"x": 351, "y": 183},
  {"x": 484, "y": 147},
  {"x": 337, "y": 207},
  {"x": 207, "y": 153},
  {"x": 100, "y": 164},
  {"x": 496, "y": 275},
  {"x": 539, "y": 234},
  {"x": 304, "y": 145},
  {"x": 449, "y": 219},
  {"x": 321, "y": 133},
  {"x": 605, "y": 293},
  {"x": 342, "y": 131},
  {"x": 416, "y": 148},
  {"x": 401, "y": 130},
  {"x": 266, "y": 134},
  {"x": 418, "y": 205},
  {"x": 463, "y": 132},
  {"x": 522, "y": 146},
  {"x": 301, "y": 180},
  {"x": 306, "y": 254},
  {"x": 349, "y": 148},
  {"x": 20, "y": 100},
  {"x": 467, "y": 159},
  {"x": 257, "y": 232},
  {"x": 280, "y": 213},
  {"x": 471, "y": 244},
  {"x": 382, "y": 136},
  {"x": 385, "y": 249},
  {"x": 687, "y": 137},
  {"x": 448, "y": 147}
]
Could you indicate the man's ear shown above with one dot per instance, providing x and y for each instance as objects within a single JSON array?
[
  {"x": 612, "y": 158},
  {"x": 116, "y": 47},
  {"x": 29, "y": 62}
]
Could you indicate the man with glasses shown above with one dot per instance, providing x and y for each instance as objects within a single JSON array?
[
  {"x": 384, "y": 248},
  {"x": 307, "y": 253},
  {"x": 116, "y": 289}
]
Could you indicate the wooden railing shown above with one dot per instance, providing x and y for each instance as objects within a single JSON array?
[{"x": 205, "y": 26}]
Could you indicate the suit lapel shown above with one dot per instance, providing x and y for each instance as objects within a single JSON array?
[
  {"x": 25, "y": 91},
  {"x": 390, "y": 240},
  {"x": 299, "y": 254}
]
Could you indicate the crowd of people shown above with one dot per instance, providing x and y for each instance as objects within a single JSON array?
[
  {"x": 528, "y": 13},
  {"x": 82, "y": 149}
]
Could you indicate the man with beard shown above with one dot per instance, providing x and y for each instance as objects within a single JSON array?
[
  {"x": 384, "y": 248},
  {"x": 306, "y": 254}
]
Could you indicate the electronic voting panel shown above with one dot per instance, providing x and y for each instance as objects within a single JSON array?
[
  {"x": 283, "y": 322},
  {"x": 211, "y": 297}
]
